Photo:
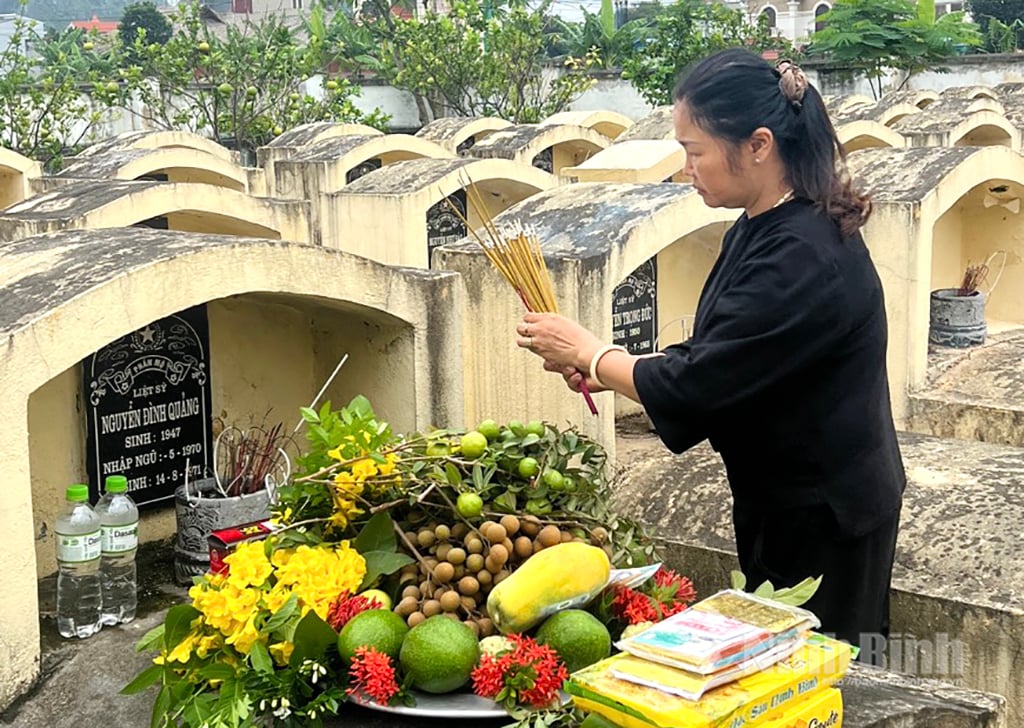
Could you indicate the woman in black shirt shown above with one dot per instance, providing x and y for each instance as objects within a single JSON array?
[{"x": 785, "y": 371}]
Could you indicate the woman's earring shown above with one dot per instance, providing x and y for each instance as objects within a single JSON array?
[{"x": 757, "y": 161}]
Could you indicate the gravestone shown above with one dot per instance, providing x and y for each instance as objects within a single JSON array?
[
  {"x": 148, "y": 407},
  {"x": 545, "y": 160},
  {"x": 635, "y": 309},
  {"x": 366, "y": 167},
  {"x": 443, "y": 225}
]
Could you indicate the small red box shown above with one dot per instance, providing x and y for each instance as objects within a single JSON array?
[{"x": 224, "y": 541}]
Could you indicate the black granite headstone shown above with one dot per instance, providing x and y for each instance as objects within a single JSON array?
[
  {"x": 635, "y": 309},
  {"x": 443, "y": 225},
  {"x": 358, "y": 171},
  {"x": 148, "y": 407},
  {"x": 545, "y": 160}
]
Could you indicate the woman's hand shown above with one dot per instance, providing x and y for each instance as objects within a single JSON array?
[
  {"x": 574, "y": 378},
  {"x": 560, "y": 342}
]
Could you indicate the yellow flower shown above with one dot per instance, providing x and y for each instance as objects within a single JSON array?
[
  {"x": 244, "y": 638},
  {"x": 345, "y": 482},
  {"x": 227, "y": 609},
  {"x": 207, "y": 643},
  {"x": 387, "y": 468},
  {"x": 318, "y": 575},
  {"x": 248, "y": 565},
  {"x": 183, "y": 650},
  {"x": 281, "y": 652},
  {"x": 363, "y": 469},
  {"x": 276, "y": 598}
]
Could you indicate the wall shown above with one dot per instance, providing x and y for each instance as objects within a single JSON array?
[
  {"x": 947, "y": 238},
  {"x": 979, "y": 70}
]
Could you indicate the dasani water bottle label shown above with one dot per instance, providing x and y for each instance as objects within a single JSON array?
[
  {"x": 78, "y": 548},
  {"x": 120, "y": 539}
]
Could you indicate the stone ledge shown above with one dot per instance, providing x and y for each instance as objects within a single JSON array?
[{"x": 961, "y": 535}]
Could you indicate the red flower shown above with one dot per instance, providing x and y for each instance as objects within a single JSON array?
[
  {"x": 684, "y": 591},
  {"x": 345, "y": 607},
  {"x": 633, "y": 606},
  {"x": 531, "y": 672},
  {"x": 372, "y": 674}
]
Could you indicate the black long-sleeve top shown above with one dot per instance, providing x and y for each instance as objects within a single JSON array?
[{"x": 785, "y": 372}]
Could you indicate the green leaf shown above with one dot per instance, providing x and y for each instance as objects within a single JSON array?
[
  {"x": 531, "y": 439},
  {"x": 453, "y": 475},
  {"x": 260, "y": 659},
  {"x": 765, "y": 590},
  {"x": 288, "y": 610},
  {"x": 309, "y": 415},
  {"x": 798, "y": 593},
  {"x": 382, "y": 563},
  {"x": 161, "y": 707},
  {"x": 737, "y": 580},
  {"x": 143, "y": 680},
  {"x": 150, "y": 640},
  {"x": 178, "y": 624},
  {"x": 312, "y": 638},
  {"x": 377, "y": 535},
  {"x": 218, "y": 670},
  {"x": 506, "y": 502}
]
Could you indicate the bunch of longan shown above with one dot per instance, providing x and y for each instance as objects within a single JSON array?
[{"x": 460, "y": 564}]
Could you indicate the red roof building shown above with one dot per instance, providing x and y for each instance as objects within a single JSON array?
[{"x": 106, "y": 27}]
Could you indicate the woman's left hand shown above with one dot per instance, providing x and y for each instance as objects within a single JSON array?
[{"x": 560, "y": 342}]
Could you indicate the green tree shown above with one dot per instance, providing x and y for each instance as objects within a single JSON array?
[
  {"x": 598, "y": 33},
  {"x": 1001, "y": 21},
  {"x": 44, "y": 113},
  {"x": 871, "y": 37},
  {"x": 683, "y": 33},
  {"x": 143, "y": 20},
  {"x": 242, "y": 90},
  {"x": 475, "y": 62}
]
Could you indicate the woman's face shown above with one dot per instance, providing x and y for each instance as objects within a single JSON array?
[{"x": 719, "y": 181}]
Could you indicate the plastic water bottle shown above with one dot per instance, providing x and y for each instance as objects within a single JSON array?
[
  {"x": 78, "y": 561},
  {"x": 120, "y": 538}
]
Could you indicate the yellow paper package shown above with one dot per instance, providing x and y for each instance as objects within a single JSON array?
[
  {"x": 823, "y": 709},
  {"x": 750, "y": 701}
]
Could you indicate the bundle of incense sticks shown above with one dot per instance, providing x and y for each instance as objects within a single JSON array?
[{"x": 515, "y": 252}]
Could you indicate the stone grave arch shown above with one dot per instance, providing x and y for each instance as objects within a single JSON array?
[
  {"x": 609, "y": 123},
  {"x": 594, "y": 237},
  {"x": 935, "y": 210},
  {"x": 397, "y": 215},
  {"x": 164, "y": 139},
  {"x": 292, "y": 141},
  {"x": 17, "y": 174},
  {"x": 167, "y": 164},
  {"x": 548, "y": 147},
  {"x": 864, "y": 134},
  {"x": 971, "y": 93},
  {"x": 280, "y": 316},
  {"x": 317, "y": 170},
  {"x": 458, "y": 134},
  {"x": 952, "y": 120},
  {"x": 176, "y": 206},
  {"x": 841, "y": 103},
  {"x": 656, "y": 125},
  {"x": 635, "y": 160}
]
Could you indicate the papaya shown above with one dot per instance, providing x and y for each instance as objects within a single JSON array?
[{"x": 561, "y": 577}]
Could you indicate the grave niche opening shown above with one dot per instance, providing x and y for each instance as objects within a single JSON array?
[
  {"x": 980, "y": 227},
  {"x": 444, "y": 226}
]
